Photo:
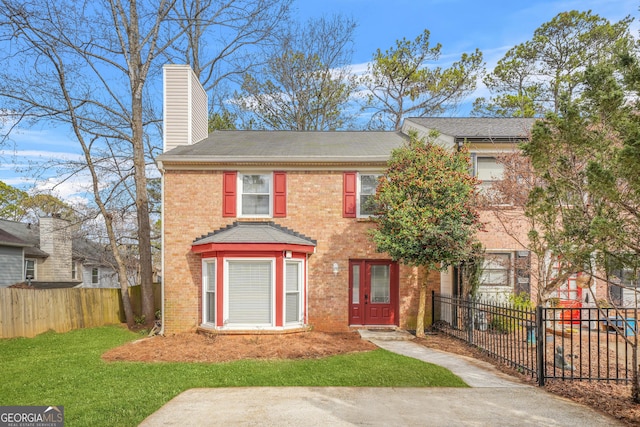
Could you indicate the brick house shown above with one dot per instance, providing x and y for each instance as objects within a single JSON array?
[{"x": 266, "y": 230}]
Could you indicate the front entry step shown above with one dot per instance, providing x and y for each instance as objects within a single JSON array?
[{"x": 388, "y": 334}]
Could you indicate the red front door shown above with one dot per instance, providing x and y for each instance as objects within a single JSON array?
[{"x": 373, "y": 292}]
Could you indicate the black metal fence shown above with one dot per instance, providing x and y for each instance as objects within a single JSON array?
[{"x": 570, "y": 343}]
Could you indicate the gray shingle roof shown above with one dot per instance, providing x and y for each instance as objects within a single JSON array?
[
  {"x": 289, "y": 146},
  {"x": 28, "y": 233},
  {"x": 477, "y": 127},
  {"x": 255, "y": 232},
  {"x": 89, "y": 252},
  {"x": 9, "y": 239}
]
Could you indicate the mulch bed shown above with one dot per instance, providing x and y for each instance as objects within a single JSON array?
[{"x": 193, "y": 347}]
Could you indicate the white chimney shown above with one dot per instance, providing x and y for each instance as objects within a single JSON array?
[
  {"x": 55, "y": 239},
  {"x": 185, "y": 105}
]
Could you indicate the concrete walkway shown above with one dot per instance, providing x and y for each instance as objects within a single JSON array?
[{"x": 494, "y": 400}]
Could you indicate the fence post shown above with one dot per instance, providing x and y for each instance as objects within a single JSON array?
[
  {"x": 541, "y": 341},
  {"x": 433, "y": 308},
  {"x": 470, "y": 322}
]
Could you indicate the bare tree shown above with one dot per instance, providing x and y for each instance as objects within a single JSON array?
[
  {"x": 223, "y": 38},
  {"x": 86, "y": 65},
  {"x": 89, "y": 66},
  {"x": 306, "y": 83},
  {"x": 507, "y": 200}
]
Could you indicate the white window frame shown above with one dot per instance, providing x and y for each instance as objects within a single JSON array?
[
  {"x": 97, "y": 276},
  {"x": 359, "y": 193},
  {"x": 225, "y": 313},
  {"x": 35, "y": 268},
  {"x": 301, "y": 292},
  {"x": 486, "y": 183},
  {"x": 510, "y": 270},
  {"x": 74, "y": 270},
  {"x": 240, "y": 193},
  {"x": 205, "y": 289}
]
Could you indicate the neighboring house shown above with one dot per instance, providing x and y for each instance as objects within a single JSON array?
[
  {"x": 507, "y": 263},
  {"x": 46, "y": 255},
  {"x": 268, "y": 230},
  {"x": 12, "y": 250}
]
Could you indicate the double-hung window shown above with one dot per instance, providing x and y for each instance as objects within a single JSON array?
[
  {"x": 209, "y": 281},
  {"x": 95, "y": 276},
  {"x": 488, "y": 169},
  {"x": 255, "y": 190},
  {"x": 293, "y": 292},
  {"x": 367, "y": 185},
  {"x": 496, "y": 270},
  {"x": 29, "y": 269}
]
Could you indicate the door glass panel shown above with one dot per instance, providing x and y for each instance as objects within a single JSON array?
[
  {"x": 380, "y": 284},
  {"x": 355, "y": 276}
]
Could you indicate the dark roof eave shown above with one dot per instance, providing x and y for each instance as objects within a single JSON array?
[
  {"x": 243, "y": 247},
  {"x": 174, "y": 159}
]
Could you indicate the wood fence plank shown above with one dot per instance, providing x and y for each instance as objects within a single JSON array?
[{"x": 29, "y": 312}]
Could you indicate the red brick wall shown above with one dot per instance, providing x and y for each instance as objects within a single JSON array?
[{"x": 193, "y": 207}]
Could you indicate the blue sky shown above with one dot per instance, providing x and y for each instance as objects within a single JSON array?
[{"x": 459, "y": 25}]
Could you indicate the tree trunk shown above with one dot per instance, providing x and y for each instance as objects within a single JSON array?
[
  {"x": 137, "y": 75},
  {"x": 422, "y": 302}
]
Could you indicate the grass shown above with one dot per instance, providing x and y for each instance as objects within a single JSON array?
[{"x": 66, "y": 369}]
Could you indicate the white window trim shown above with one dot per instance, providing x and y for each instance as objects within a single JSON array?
[
  {"x": 481, "y": 154},
  {"x": 359, "y": 190},
  {"x": 205, "y": 278},
  {"x": 225, "y": 313},
  {"x": 97, "y": 276},
  {"x": 510, "y": 272},
  {"x": 301, "y": 292},
  {"x": 240, "y": 192},
  {"x": 35, "y": 268}
]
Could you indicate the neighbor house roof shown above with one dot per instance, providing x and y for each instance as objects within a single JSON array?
[
  {"x": 255, "y": 232},
  {"x": 8, "y": 239},
  {"x": 28, "y": 233},
  {"x": 477, "y": 127},
  {"x": 91, "y": 253},
  {"x": 289, "y": 146}
]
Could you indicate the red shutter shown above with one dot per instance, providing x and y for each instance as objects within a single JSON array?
[
  {"x": 349, "y": 195},
  {"x": 279, "y": 194},
  {"x": 229, "y": 183}
]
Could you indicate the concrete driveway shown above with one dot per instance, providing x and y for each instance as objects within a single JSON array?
[
  {"x": 348, "y": 406},
  {"x": 494, "y": 399}
]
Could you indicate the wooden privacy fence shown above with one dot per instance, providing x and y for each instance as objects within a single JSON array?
[{"x": 29, "y": 312}]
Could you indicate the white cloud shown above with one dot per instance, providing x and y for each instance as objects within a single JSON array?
[{"x": 42, "y": 155}]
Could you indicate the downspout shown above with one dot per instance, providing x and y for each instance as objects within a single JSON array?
[{"x": 161, "y": 169}]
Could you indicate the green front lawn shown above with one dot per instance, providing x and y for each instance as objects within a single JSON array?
[{"x": 66, "y": 369}]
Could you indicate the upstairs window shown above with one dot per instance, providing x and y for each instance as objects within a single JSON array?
[
  {"x": 357, "y": 194},
  {"x": 487, "y": 169},
  {"x": 95, "y": 276},
  {"x": 255, "y": 194},
  {"x": 367, "y": 185}
]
